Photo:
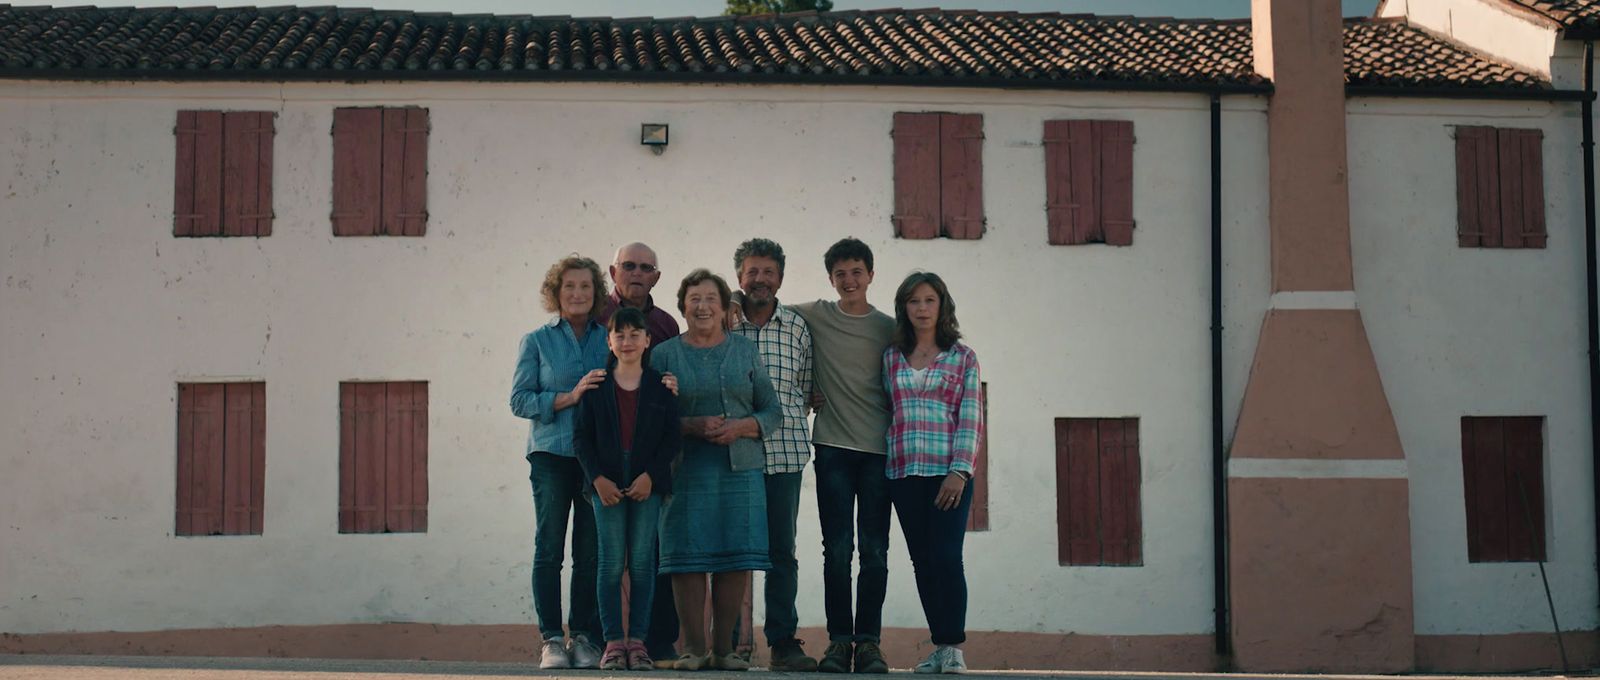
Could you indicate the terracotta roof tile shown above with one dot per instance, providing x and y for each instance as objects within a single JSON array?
[
  {"x": 882, "y": 46},
  {"x": 1571, "y": 14}
]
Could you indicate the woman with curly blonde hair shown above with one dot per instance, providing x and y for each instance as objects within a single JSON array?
[{"x": 557, "y": 364}]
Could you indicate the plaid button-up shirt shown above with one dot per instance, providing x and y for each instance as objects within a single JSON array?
[
  {"x": 938, "y": 415},
  {"x": 785, "y": 346}
]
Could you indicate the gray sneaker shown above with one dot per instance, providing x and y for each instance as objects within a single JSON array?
[
  {"x": 954, "y": 661},
  {"x": 934, "y": 663},
  {"x": 553, "y": 654},
  {"x": 584, "y": 653}
]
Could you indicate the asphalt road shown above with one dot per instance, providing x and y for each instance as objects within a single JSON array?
[{"x": 37, "y": 667}]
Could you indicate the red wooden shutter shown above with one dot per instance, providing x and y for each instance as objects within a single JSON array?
[
  {"x": 1525, "y": 489},
  {"x": 1503, "y": 474},
  {"x": 1477, "y": 187},
  {"x": 1521, "y": 188},
  {"x": 1059, "y": 209},
  {"x": 357, "y": 171},
  {"x": 197, "y": 201},
  {"x": 405, "y": 172},
  {"x": 406, "y": 457},
  {"x": 383, "y": 457},
  {"x": 247, "y": 173},
  {"x": 186, "y": 463},
  {"x": 210, "y": 427},
  {"x": 1483, "y": 464},
  {"x": 419, "y": 456},
  {"x": 221, "y": 458},
  {"x": 1098, "y": 516},
  {"x": 347, "y": 457},
  {"x": 978, "y": 520},
  {"x": 916, "y": 175},
  {"x": 1078, "y": 490},
  {"x": 236, "y": 448},
  {"x": 202, "y": 429},
  {"x": 1116, "y": 185},
  {"x": 1510, "y": 175},
  {"x": 1120, "y": 528},
  {"x": 961, "y": 175},
  {"x": 1084, "y": 151}
]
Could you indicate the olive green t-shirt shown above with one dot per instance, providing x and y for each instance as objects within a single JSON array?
[{"x": 848, "y": 351}]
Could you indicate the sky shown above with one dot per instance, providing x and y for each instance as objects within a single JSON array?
[{"x": 677, "y": 8}]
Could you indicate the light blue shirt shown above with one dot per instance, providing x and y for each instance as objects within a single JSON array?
[{"x": 551, "y": 362}]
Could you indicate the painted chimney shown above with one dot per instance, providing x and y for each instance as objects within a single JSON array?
[{"x": 1318, "y": 500}]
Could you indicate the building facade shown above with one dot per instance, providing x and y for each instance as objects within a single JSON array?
[{"x": 265, "y": 271}]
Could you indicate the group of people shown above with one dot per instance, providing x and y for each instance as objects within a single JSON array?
[{"x": 678, "y": 459}]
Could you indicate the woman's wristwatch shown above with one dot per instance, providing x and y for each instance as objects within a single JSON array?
[{"x": 965, "y": 476}]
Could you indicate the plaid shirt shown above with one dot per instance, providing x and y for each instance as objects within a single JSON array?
[
  {"x": 937, "y": 418},
  {"x": 785, "y": 346}
]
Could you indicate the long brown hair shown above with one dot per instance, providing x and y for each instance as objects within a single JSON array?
[{"x": 945, "y": 333}]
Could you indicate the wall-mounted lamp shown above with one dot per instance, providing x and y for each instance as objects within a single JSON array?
[{"x": 654, "y": 135}]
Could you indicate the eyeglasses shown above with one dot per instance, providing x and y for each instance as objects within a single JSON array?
[{"x": 645, "y": 267}]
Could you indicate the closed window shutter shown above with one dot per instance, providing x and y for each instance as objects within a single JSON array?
[
  {"x": 247, "y": 173},
  {"x": 197, "y": 203},
  {"x": 1098, "y": 517},
  {"x": 221, "y": 458},
  {"x": 357, "y": 171},
  {"x": 1059, "y": 209},
  {"x": 1083, "y": 150},
  {"x": 405, "y": 171},
  {"x": 916, "y": 175},
  {"x": 961, "y": 175},
  {"x": 383, "y": 457},
  {"x": 186, "y": 519},
  {"x": 1503, "y": 487},
  {"x": 1521, "y": 156},
  {"x": 1478, "y": 187},
  {"x": 406, "y": 456},
  {"x": 1116, "y": 185},
  {"x": 1525, "y": 483},
  {"x": 1119, "y": 491},
  {"x": 1078, "y": 490},
  {"x": 978, "y": 519}
]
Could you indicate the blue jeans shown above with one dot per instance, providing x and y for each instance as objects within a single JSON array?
[
  {"x": 934, "y": 538},
  {"x": 853, "y": 498},
  {"x": 782, "y": 583},
  {"x": 627, "y": 533},
  {"x": 557, "y": 493}
]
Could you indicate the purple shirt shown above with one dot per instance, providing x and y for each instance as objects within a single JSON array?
[{"x": 657, "y": 322}]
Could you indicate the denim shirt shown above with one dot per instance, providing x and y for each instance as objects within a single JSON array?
[{"x": 550, "y": 363}]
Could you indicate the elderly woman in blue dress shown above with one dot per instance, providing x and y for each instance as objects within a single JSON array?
[{"x": 715, "y": 523}]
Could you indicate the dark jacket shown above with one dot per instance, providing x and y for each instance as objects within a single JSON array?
[{"x": 597, "y": 434}]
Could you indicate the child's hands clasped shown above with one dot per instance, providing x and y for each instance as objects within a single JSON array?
[
  {"x": 607, "y": 490},
  {"x": 640, "y": 489}
]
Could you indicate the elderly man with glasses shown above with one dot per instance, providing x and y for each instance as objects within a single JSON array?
[{"x": 633, "y": 274}]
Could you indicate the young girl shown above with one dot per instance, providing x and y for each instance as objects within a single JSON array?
[{"x": 626, "y": 437}]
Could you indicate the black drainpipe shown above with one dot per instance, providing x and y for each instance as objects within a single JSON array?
[
  {"x": 1219, "y": 456},
  {"x": 1589, "y": 280}
]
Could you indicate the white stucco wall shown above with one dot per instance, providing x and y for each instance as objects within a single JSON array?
[
  {"x": 105, "y": 311},
  {"x": 1470, "y": 331},
  {"x": 1491, "y": 27}
]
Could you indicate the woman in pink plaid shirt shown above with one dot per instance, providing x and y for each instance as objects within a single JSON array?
[{"x": 934, "y": 398}]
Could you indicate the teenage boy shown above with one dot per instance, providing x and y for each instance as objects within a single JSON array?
[{"x": 848, "y": 339}]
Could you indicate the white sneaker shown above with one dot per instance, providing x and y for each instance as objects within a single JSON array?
[
  {"x": 954, "y": 661},
  {"x": 553, "y": 654},
  {"x": 934, "y": 663},
  {"x": 584, "y": 653}
]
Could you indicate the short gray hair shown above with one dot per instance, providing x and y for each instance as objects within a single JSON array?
[{"x": 758, "y": 247}]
